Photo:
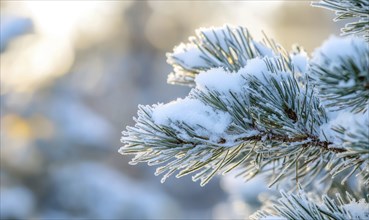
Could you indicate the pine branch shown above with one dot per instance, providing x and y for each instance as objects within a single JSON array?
[
  {"x": 257, "y": 119},
  {"x": 340, "y": 71},
  {"x": 258, "y": 109},
  {"x": 300, "y": 206},
  {"x": 348, "y": 9}
]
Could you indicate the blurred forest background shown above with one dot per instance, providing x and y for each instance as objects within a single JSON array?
[{"x": 72, "y": 75}]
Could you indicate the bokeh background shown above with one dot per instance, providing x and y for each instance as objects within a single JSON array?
[{"x": 72, "y": 75}]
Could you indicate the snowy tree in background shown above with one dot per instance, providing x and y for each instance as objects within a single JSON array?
[{"x": 257, "y": 108}]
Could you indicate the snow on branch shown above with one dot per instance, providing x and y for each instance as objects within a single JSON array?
[
  {"x": 227, "y": 47},
  {"x": 348, "y": 9},
  {"x": 301, "y": 206},
  {"x": 340, "y": 71}
]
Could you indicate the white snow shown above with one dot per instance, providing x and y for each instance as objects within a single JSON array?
[
  {"x": 335, "y": 48},
  {"x": 220, "y": 80},
  {"x": 204, "y": 119},
  {"x": 350, "y": 121},
  {"x": 257, "y": 68},
  {"x": 189, "y": 55},
  {"x": 265, "y": 51},
  {"x": 358, "y": 210},
  {"x": 223, "y": 81},
  {"x": 300, "y": 61}
]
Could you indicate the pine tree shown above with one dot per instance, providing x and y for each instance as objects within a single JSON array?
[{"x": 256, "y": 108}]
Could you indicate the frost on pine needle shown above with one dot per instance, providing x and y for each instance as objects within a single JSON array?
[
  {"x": 216, "y": 36},
  {"x": 340, "y": 71},
  {"x": 350, "y": 132},
  {"x": 357, "y": 10},
  {"x": 301, "y": 205},
  {"x": 358, "y": 210}
]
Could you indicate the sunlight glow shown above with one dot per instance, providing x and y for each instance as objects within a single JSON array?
[{"x": 59, "y": 28}]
